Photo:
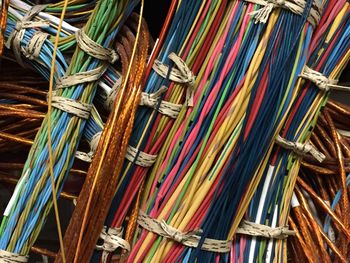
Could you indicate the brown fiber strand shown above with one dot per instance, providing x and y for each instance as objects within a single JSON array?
[
  {"x": 319, "y": 144},
  {"x": 104, "y": 181},
  {"x": 324, "y": 206},
  {"x": 303, "y": 248},
  {"x": 133, "y": 218},
  {"x": 318, "y": 239},
  {"x": 344, "y": 197},
  {"x": 3, "y": 22},
  {"x": 326, "y": 139}
]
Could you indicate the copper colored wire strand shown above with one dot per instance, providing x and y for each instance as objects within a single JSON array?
[
  {"x": 18, "y": 126},
  {"x": 24, "y": 98},
  {"x": 314, "y": 226},
  {"x": 19, "y": 109},
  {"x": 345, "y": 147},
  {"x": 338, "y": 118},
  {"x": 92, "y": 205},
  {"x": 320, "y": 230},
  {"x": 27, "y": 134},
  {"x": 328, "y": 161},
  {"x": 326, "y": 138},
  {"x": 342, "y": 109},
  {"x": 144, "y": 41},
  {"x": 342, "y": 173},
  {"x": 323, "y": 192},
  {"x": 15, "y": 138},
  {"x": 43, "y": 251},
  {"x": 8, "y": 113},
  {"x": 304, "y": 230},
  {"x": 336, "y": 251},
  {"x": 3, "y": 22},
  {"x": 318, "y": 143},
  {"x": 324, "y": 206},
  {"x": 5, "y": 86},
  {"x": 303, "y": 248},
  {"x": 320, "y": 170}
]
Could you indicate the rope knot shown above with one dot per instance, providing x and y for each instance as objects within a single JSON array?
[
  {"x": 181, "y": 74},
  {"x": 280, "y": 2},
  {"x": 19, "y": 26},
  {"x": 6, "y": 256},
  {"x": 33, "y": 48},
  {"x": 321, "y": 81},
  {"x": 300, "y": 148},
  {"x": 16, "y": 36},
  {"x": 177, "y": 235},
  {"x": 112, "y": 239},
  {"x": 151, "y": 99},
  {"x": 189, "y": 239},
  {"x": 94, "y": 141},
  {"x": 259, "y": 230},
  {"x": 262, "y": 15},
  {"x": 94, "y": 49}
]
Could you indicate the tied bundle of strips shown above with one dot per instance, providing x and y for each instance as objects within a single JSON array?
[
  {"x": 327, "y": 57},
  {"x": 318, "y": 214},
  {"x": 162, "y": 100},
  {"x": 97, "y": 193},
  {"x": 31, "y": 201},
  {"x": 243, "y": 89},
  {"x": 36, "y": 47}
]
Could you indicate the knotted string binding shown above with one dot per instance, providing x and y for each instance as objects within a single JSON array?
[
  {"x": 182, "y": 75},
  {"x": 167, "y": 108},
  {"x": 258, "y": 230},
  {"x": 94, "y": 49},
  {"x": 17, "y": 34},
  {"x": 77, "y": 108},
  {"x": 295, "y": 6},
  {"x": 87, "y": 157},
  {"x": 189, "y": 239},
  {"x": 143, "y": 159},
  {"x": 300, "y": 148},
  {"x": 9, "y": 257},
  {"x": 33, "y": 48},
  {"x": 322, "y": 82},
  {"x": 112, "y": 239}
]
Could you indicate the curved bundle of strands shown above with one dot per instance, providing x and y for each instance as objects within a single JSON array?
[
  {"x": 32, "y": 198},
  {"x": 328, "y": 54},
  {"x": 160, "y": 108},
  {"x": 245, "y": 81},
  {"x": 318, "y": 214}
]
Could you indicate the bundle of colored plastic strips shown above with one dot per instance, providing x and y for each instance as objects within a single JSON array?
[
  {"x": 328, "y": 55},
  {"x": 243, "y": 89},
  {"x": 160, "y": 107},
  {"x": 71, "y": 101},
  {"x": 36, "y": 47}
]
